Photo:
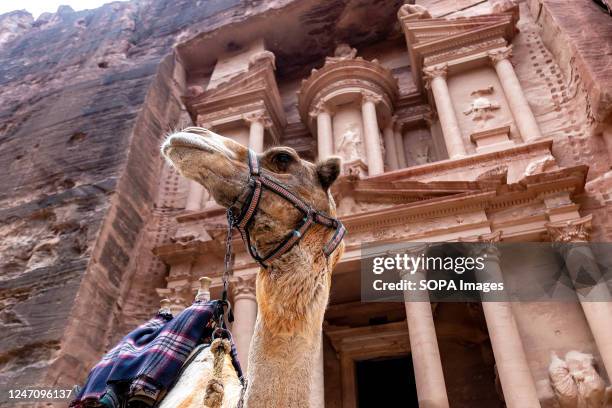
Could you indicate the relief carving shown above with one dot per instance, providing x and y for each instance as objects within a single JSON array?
[
  {"x": 575, "y": 381},
  {"x": 342, "y": 52},
  {"x": 413, "y": 12},
  {"x": 421, "y": 152},
  {"x": 541, "y": 165},
  {"x": 350, "y": 145},
  {"x": 263, "y": 56},
  {"x": 482, "y": 108}
]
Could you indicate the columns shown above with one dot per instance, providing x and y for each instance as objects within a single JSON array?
[
  {"x": 523, "y": 116},
  {"x": 512, "y": 367},
  {"x": 371, "y": 133},
  {"x": 325, "y": 137},
  {"x": 317, "y": 388},
  {"x": 572, "y": 237},
  {"x": 194, "y": 196},
  {"x": 431, "y": 388},
  {"x": 436, "y": 80},
  {"x": 245, "y": 314},
  {"x": 399, "y": 146},
  {"x": 258, "y": 122},
  {"x": 390, "y": 147}
]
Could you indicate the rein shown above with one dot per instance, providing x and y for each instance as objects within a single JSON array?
[{"x": 241, "y": 222}]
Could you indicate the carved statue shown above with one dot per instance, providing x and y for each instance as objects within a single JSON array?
[
  {"x": 481, "y": 108},
  {"x": 540, "y": 165},
  {"x": 342, "y": 52},
  {"x": 503, "y": 6},
  {"x": 420, "y": 154},
  {"x": 483, "y": 91},
  {"x": 413, "y": 12},
  {"x": 575, "y": 381},
  {"x": 350, "y": 144},
  {"x": 262, "y": 56}
]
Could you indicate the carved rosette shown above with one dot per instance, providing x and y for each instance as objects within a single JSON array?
[
  {"x": 578, "y": 230},
  {"x": 500, "y": 54},
  {"x": 243, "y": 287}
]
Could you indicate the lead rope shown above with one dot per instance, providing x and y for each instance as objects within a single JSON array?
[{"x": 227, "y": 268}]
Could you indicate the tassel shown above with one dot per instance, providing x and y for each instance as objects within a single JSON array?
[{"x": 214, "y": 389}]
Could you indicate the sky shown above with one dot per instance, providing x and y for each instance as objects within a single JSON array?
[{"x": 37, "y": 7}]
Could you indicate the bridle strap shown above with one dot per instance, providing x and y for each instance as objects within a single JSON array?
[{"x": 257, "y": 182}]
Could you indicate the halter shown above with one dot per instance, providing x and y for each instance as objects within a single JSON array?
[{"x": 257, "y": 182}]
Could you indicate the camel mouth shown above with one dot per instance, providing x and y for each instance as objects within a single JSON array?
[{"x": 209, "y": 143}]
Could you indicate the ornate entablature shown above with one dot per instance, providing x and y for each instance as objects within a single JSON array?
[
  {"x": 344, "y": 79},
  {"x": 458, "y": 43},
  {"x": 247, "y": 96}
]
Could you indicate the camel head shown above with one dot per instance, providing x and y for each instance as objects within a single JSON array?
[{"x": 220, "y": 165}]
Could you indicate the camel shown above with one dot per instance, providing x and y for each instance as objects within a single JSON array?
[{"x": 292, "y": 290}]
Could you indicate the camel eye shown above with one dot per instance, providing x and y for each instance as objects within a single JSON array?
[{"x": 282, "y": 160}]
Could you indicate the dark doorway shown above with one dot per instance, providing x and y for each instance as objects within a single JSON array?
[{"x": 387, "y": 382}]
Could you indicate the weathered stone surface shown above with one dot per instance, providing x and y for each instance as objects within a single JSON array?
[{"x": 85, "y": 102}]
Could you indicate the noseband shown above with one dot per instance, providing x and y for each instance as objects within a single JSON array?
[{"x": 257, "y": 182}]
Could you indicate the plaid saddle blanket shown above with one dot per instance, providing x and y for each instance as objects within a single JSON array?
[{"x": 139, "y": 370}]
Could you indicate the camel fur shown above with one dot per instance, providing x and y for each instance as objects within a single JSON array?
[{"x": 293, "y": 291}]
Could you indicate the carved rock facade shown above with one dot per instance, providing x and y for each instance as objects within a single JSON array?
[{"x": 487, "y": 121}]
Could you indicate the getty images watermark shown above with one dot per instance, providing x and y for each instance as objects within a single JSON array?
[{"x": 474, "y": 272}]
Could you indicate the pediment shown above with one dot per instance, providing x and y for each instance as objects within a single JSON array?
[
  {"x": 429, "y": 32},
  {"x": 253, "y": 89},
  {"x": 434, "y": 41}
]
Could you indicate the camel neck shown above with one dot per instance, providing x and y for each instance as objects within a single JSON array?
[{"x": 287, "y": 336}]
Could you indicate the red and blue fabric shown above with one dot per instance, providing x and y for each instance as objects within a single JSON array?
[{"x": 146, "y": 362}]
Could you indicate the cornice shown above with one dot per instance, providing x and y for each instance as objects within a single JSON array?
[{"x": 463, "y": 162}]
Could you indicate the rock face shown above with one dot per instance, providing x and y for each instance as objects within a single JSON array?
[
  {"x": 78, "y": 174},
  {"x": 87, "y": 97}
]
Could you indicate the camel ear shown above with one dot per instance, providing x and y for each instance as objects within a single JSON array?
[{"x": 328, "y": 171}]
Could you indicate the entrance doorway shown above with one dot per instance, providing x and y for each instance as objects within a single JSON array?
[{"x": 386, "y": 382}]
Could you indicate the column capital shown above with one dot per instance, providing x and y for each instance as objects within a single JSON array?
[
  {"x": 243, "y": 287},
  {"x": 260, "y": 117},
  {"x": 320, "y": 107},
  {"x": 485, "y": 244},
  {"x": 179, "y": 296},
  {"x": 577, "y": 230},
  {"x": 435, "y": 71},
  {"x": 368, "y": 96},
  {"x": 500, "y": 54}
]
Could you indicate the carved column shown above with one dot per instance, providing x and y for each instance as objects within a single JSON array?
[
  {"x": 258, "y": 122},
  {"x": 523, "y": 116},
  {"x": 391, "y": 152},
  {"x": 245, "y": 314},
  {"x": 436, "y": 80},
  {"x": 325, "y": 136},
  {"x": 514, "y": 374},
  {"x": 431, "y": 388},
  {"x": 571, "y": 237},
  {"x": 372, "y": 134},
  {"x": 194, "y": 196},
  {"x": 399, "y": 146}
]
